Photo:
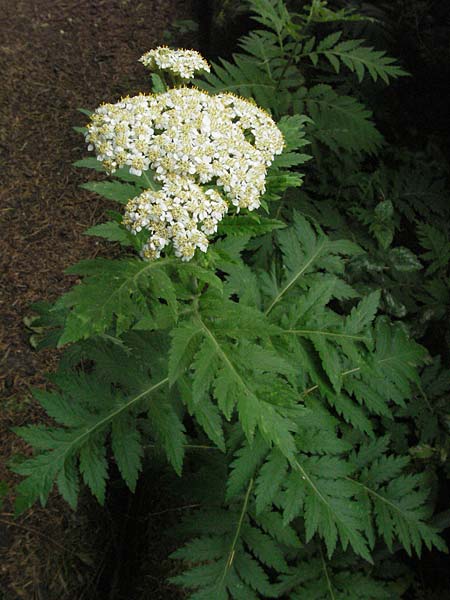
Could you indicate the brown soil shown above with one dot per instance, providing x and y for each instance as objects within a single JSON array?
[{"x": 55, "y": 56}]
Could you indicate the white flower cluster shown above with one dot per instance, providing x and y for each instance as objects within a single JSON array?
[
  {"x": 206, "y": 151},
  {"x": 173, "y": 214},
  {"x": 184, "y": 63}
]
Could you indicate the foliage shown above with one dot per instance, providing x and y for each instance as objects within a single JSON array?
[{"x": 292, "y": 350}]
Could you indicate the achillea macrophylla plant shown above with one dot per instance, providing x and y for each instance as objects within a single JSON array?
[{"x": 281, "y": 369}]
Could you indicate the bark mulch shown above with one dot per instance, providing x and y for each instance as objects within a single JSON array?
[{"x": 55, "y": 56}]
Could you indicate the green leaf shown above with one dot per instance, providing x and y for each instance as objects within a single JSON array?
[
  {"x": 169, "y": 431},
  {"x": 85, "y": 440},
  {"x": 204, "y": 367},
  {"x": 85, "y": 111},
  {"x": 250, "y": 225},
  {"x": 114, "y": 293},
  {"x": 93, "y": 466},
  {"x": 113, "y": 232},
  {"x": 219, "y": 565},
  {"x": 112, "y": 190},
  {"x": 437, "y": 246},
  {"x": 341, "y": 122},
  {"x": 398, "y": 500},
  {"x": 327, "y": 502},
  {"x": 243, "y": 77},
  {"x": 127, "y": 448},
  {"x": 158, "y": 86},
  {"x": 68, "y": 482},
  {"x": 208, "y": 417},
  {"x": 246, "y": 460},
  {"x": 185, "y": 340},
  {"x": 359, "y": 59},
  {"x": 271, "y": 476},
  {"x": 89, "y": 162},
  {"x": 317, "y": 577},
  {"x": 306, "y": 249},
  {"x": 265, "y": 549},
  {"x": 362, "y": 315},
  {"x": 403, "y": 260}
]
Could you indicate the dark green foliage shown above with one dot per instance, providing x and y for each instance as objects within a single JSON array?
[
  {"x": 291, "y": 352},
  {"x": 292, "y": 373},
  {"x": 91, "y": 407},
  {"x": 114, "y": 295}
]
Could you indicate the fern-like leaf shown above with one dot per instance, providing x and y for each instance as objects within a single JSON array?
[
  {"x": 356, "y": 57},
  {"x": 114, "y": 294},
  {"x": 87, "y": 408},
  {"x": 340, "y": 122}
]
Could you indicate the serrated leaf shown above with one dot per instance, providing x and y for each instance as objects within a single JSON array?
[
  {"x": 113, "y": 293},
  {"x": 94, "y": 467},
  {"x": 269, "y": 480},
  {"x": 169, "y": 431},
  {"x": 362, "y": 315},
  {"x": 341, "y": 122},
  {"x": 112, "y": 190},
  {"x": 113, "y": 232},
  {"x": 127, "y": 448},
  {"x": 185, "y": 340},
  {"x": 246, "y": 461},
  {"x": 89, "y": 162}
]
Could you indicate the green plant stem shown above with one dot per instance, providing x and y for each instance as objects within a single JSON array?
[
  {"x": 286, "y": 66},
  {"x": 188, "y": 447},
  {"x": 147, "y": 179},
  {"x": 325, "y": 570},
  {"x": 313, "y": 388},
  {"x": 232, "y": 552}
]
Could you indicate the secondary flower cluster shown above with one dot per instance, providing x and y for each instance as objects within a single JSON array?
[
  {"x": 173, "y": 214},
  {"x": 184, "y": 63},
  {"x": 206, "y": 152}
]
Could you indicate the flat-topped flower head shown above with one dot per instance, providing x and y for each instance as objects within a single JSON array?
[
  {"x": 184, "y": 63},
  {"x": 208, "y": 153}
]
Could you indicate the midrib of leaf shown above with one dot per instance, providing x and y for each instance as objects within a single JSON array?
[
  {"x": 109, "y": 417},
  {"x": 295, "y": 277},
  {"x": 150, "y": 184},
  {"x": 188, "y": 447},
  {"x": 232, "y": 551},
  {"x": 366, "y": 63},
  {"x": 372, "y": 492},
  {"x": 327, "y": 577},
  {"x": 426, "y": 193},
  {"x": 148, "y": 267},
  {"x": 313, "y": 388},
  {"x": 359, "y": 338},
  {"x": 224, "y": 355},
  {"x": 311, "y": 483},
  {"x": 316, "y": 490},
  {"x": 266, "y": 60},
  {"x": 127, "y": 281}
]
